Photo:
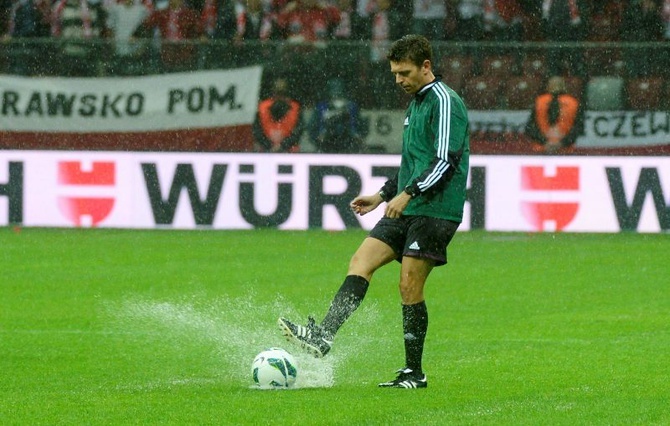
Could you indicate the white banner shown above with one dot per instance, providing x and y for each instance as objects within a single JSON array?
[
  {"x": 203, "y": 99},
  {"x": 602, "y": 129},
  {"x": 296, "y": 191},
  {"x": 575, "y": 194},
  {"x": 629, "y": 128}
]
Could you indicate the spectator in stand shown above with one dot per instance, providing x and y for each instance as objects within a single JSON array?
[
  {"x": 429, "y": 18},
  {"x": 279, "y": 122},
  {"x": 5, "y": 8},
  {"x": 532, "y": 20},
  {"x": 642, "y": 22},
  {"x": 564, "y": 21},
  {"x": 665, "y": 14},
  {"x": 219, "y": 21},
  {"x": 255, "y": 23},
  {"x": 503, "y": 20},
  {"x": 381, "y": 34},
  {"x": 308, "y": 26},
  {"x": 308, "y": 21},
  {"x": 374, "y": 14},
  {"x": 276, "y": 6},
  {"x": 470, "y": 20},
  {"x": 334, "y": 126},
  {"x": 178, "y": 25},
  {"x": 78, "y": 24},
  {"x": 556, "y": 120},
  {"x": 365, "y": 7},
  {"x": 28, "y": 19},
  {"x": 351, "y": 25},
  {"x": 351, "y": 58},
  {"x": 123, "y": 19}
]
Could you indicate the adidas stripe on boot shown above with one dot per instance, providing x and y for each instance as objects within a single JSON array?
[{"x": 311, "y": 337}]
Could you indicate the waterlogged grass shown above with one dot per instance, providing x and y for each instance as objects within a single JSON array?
[{"x": 160, "y": 327}]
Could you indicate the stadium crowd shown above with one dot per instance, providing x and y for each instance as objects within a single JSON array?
[
  {"x": 322, "y": 20},
  {"x": 127, "y": 37}
]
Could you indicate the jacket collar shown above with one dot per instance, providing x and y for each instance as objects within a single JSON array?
[{"x": 421, "y": 94}]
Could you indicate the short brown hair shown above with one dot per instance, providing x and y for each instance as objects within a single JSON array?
[{"x": 413, "y": 47}]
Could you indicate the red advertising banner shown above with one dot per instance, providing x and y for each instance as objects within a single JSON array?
[{"x": 304, "y": 191}]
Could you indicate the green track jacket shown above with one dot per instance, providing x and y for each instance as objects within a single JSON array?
[{"x": 435, "y": 154}]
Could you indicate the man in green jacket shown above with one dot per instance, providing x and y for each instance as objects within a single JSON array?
[{"x": 424, "y": 207}]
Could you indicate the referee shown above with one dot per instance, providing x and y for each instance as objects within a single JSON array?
[{"x": 424, "y": 207}]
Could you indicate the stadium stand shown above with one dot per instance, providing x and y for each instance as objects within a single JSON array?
[
  {"x": 575, "y": 86},
  {"x": 482, "y": 92},
  {"x": 500, "y": 66},
  {"x": 520, "y": 91},
  {"x": 605, "y": 94},
  {"x": 534, "y": 65},
  {"x": 644, "y": 93},
  {"x": 604, "y": 61},
  {"x": 456, "y": 70}
]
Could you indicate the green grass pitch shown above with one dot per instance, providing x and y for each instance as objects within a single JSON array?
[{"x": 160, "y": 327}]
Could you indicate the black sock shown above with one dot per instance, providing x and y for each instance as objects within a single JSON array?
[
  {"x": 346, "y": 300},
  {"x": 414, "y": 325}
]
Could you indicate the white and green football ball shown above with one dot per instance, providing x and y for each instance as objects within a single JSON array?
[{"x": 274, "y": 368}]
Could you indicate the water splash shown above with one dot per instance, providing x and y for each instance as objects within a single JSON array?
[{"x": 237, "y": 329}]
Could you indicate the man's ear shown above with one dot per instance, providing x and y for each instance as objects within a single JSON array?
[{"x": 426, "y": 66}]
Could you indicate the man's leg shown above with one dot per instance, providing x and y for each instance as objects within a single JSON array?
[
  {"x": 413, "y": 275},
  {"x": 370, "y": 256},
  {"x": 317, "y": 339}
]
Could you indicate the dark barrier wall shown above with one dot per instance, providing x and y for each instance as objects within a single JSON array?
[{"x": 626, "y": 105}]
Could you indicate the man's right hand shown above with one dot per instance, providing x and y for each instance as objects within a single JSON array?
[{"x": 364, "y": 204}]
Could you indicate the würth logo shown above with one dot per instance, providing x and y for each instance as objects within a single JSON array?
[
  {"x": 552, "y": 191},
  {"x": 81, "y": 206}
]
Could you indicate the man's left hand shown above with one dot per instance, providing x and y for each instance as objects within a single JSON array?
[{"x": 397, "y": 205}]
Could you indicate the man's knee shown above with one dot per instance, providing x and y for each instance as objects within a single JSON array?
[
  {"x": 369, "y": 257},
  {"x": 411, "y": 292},
  {"x": 413, "y": 276}
]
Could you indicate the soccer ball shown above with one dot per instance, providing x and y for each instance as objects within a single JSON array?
[{"x": 274, "y": 368}]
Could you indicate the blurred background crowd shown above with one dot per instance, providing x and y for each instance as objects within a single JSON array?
[{"x": 498, "y": 52}]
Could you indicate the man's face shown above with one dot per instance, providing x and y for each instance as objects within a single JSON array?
[{"x": 410, "y": 76}]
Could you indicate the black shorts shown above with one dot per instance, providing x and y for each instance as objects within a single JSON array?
[{"x": 416, "y": 236}]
